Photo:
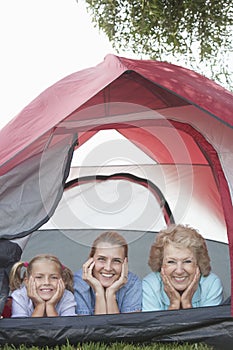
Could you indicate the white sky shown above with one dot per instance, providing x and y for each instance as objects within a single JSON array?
[{"x": 42, "y": 41}]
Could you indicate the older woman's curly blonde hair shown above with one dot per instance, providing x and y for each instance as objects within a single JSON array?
[{"x": 181, "y": 236}]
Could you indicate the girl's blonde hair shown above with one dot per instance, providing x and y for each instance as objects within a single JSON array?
[
  {"x": 112, "y": 237},
  {"x": 181, "y": 236},
  {"x": 17, "y": 275}
]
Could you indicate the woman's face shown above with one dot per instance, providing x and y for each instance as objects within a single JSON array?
[
  {"x": 46, "y": 275},
  {"x": 179, "y": 265},
  {"x": 108, "y": 263}
]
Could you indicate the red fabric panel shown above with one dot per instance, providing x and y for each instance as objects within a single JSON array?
[
  {"x": 166, "y": 145},
  {"x": 7, "y": 310},
  {"x": 192, "y": 86},
  {"x": 53, "y": 105},
  {"x": 85, "y": 136},
  {"x": 63, "y": 98}
]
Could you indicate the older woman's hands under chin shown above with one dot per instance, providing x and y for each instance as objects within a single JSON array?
[
  {"x": 186, "y": 297},
  {"x": 177, "y": 300},
  {"x": 172, "y": 293}
]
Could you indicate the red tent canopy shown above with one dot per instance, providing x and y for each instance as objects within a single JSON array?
[
  {"x": 156, "y": 85},
  {"x": 173, "y": 114}
]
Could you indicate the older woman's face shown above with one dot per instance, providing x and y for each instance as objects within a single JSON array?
[{"x": 179, "y": 265}]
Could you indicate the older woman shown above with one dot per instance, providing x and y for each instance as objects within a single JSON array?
[
  {"x": 181, "y": 276},
  {"x": 104, "y": 285}
]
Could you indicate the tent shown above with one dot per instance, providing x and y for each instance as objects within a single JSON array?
[{"x": 130, "y": 145}]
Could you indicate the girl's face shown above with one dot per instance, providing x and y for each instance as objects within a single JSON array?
[
  {"x": 46, "y": 275},
  {"x": 179, "y": 265},
  {"x": 108, "y": 263}
]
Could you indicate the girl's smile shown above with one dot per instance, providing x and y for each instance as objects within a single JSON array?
[{"x": 46, "y": 276}]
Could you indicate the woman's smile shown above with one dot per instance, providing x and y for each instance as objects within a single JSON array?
[{"x": 179, "y": 266}]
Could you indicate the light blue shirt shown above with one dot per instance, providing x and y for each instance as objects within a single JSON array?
[
  {"x": 129, "y": 297},
  {"x": 22, "y": 305},
  {"x": 154, "y": 298}
]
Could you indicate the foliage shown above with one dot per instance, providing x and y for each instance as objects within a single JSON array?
[
  {"x": 114, "y": 346},
  {"x": 197, "y": 32}
]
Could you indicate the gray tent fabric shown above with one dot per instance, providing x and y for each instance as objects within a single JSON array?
[
  {"x": 73, "y": 247},
  {"x": 35, "y": 186},
  {"x": 209, "y": 325},
  {"x": 9, "y": 254}
]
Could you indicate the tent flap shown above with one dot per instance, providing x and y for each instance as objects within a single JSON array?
[
  {"x": 30, "y": 192},
  {"x": 212, "y": 325}
]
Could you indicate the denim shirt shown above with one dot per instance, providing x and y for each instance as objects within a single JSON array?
[
  {"x": 129, "y": 297},
  {"x": 154, "y": 298}
]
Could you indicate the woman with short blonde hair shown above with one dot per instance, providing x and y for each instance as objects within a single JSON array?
[{"x": 181, "y": 276}]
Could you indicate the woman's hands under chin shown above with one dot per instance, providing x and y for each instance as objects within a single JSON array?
[
  {"x": 172, "y": 293},
  {"x": 183, "y": 300},
  {"x": 187, "y": 295},
  {"x": 121, "y": 281},
  {"x": 87, "y": 276}
]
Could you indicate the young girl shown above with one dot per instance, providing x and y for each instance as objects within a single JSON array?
[
  {"x": 104, "y": 285},
  {"x": 44, "y": 289}
]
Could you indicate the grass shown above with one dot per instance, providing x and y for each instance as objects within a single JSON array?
[{"x": 114, "y": 346}]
